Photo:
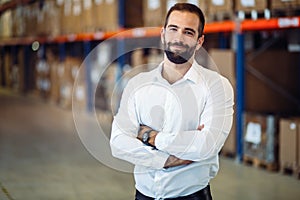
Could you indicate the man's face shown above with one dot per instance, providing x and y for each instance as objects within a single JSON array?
[{"x": 180, "y": 37}]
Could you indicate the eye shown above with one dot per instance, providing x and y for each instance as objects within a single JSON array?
[
  {"x": 189, "y": 33},
  {"x": 172, "y": 29}
]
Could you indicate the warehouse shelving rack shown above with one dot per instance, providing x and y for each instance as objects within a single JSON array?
[{"x": 236, "y": 27}]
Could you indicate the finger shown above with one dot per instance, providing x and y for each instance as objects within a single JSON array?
[{"x": 200, "y": 127}]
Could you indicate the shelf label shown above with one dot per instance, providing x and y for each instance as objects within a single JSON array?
[
  {"x": 153, "y": 4},
  {"x": 195, "y": 2},
  {"x": 98, "y": 2},
  {"x": 138, "y": 32},
  {"x": 77, "y": 10},
  {"x": 288, "y": 22},
  {"x": 293, "y": 126},
  {"x": 99, "y": 35},
  {"x": 253, "y": 133},
  {"x": 248, "y": 3},
  {"x": 87, "y": 4},
  {"x": 72, "y": 37},
  {"x": 218, "y": 2},
  {"x": 59, "y": 2}
]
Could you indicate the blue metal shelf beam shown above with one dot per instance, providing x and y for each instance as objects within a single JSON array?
[{"x": 240, "y": 93}]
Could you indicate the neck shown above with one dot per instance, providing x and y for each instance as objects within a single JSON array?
[{"x": 174, "y": 72}]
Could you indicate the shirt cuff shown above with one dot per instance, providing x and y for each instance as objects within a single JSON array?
[
  {"x": 162, "y": 140},
  {"x": 160, "y": 159}
]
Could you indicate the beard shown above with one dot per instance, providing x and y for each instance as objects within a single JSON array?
[{"x": 179, "y": 57}]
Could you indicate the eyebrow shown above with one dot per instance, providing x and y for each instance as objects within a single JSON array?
[{"x": 187, "y": 29}]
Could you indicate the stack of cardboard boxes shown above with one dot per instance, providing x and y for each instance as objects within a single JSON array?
[
  {"x": 264, "y": 102},
  {"x": 53, "y": 18},
  {"x": 62, "y": 77},
  {"x": 224, "y": 63},
  {"x": 154, "y": 11},
  {"x": 289, "y": 145},
  {"x": 220, "y": 10},
  {"x": 261, "y": 139},
  {"x": 285, "y": 4},
  {"x": 76, "y": 16},
  {"x": 249, "y": 5}
]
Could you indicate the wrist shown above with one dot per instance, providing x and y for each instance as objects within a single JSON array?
[
  {"x": 148, "y": 137},
  {"x": 152, "y": 135}
]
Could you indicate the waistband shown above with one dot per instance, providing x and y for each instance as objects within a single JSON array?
[{"x": 203, "y": 193}]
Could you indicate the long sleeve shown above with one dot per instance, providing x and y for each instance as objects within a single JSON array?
[
  {"x": 217, "y": 119},
  {"x": 123, "y": 141}
]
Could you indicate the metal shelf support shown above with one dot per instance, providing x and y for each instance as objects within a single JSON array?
[
  {"x": 62, "y": 51},
  {"x": 121, "y": 42},
  {"x": 223, "y": 41},
  {"x": 240, "y": 93},
  {"x": 88, "y": 72},
  {"x": 26, "y": 75}
]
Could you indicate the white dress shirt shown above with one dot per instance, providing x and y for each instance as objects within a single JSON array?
[{"x": 175, "y": 110}]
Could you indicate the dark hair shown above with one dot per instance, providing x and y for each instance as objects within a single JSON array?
[{"x": 188, "y": 8}]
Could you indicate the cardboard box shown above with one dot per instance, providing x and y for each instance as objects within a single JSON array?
[
  {"x": 249, "y": 5},
  {"x": 87, "y": 16},
  {"x": 66, "y": 73},
  {"x": 66, "y": 17},
  {"x": 267, "y": 90},
  {"x": 261, "y": 137},
  {"x": 49, "y": 19},
  {"x": 105, "y": 15},
  {"x": 289, "y": 142},
  {"x": 18, "y": 20},
  {"x": 223, "y": 61},
  {"x": 7, "y": 69},
  {"x": 30, "y": 18},
  {"x": 134, "y": 13},
  {"x": 284, "y": 4},
  {"x": 215, "y": 6},
  {"x": 155, "y": 10},
  {"x": 72, "y": 17},
  {"x": 6, "y": 24},
  {"x": 54, "y": 90}
]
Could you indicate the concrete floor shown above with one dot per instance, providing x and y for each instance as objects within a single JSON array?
[{"x": 41, "y": 157}]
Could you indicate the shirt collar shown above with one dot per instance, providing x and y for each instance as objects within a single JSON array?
[{"x": 193, "y": 74}]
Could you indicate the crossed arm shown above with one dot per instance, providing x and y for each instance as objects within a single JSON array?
[
  {"x": 173, "y": 149},
  {"x": 172, "y": 161}
]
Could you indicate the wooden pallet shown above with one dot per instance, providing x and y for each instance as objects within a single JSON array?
[
  {"x": 258, "y": 163},
  {"x": 288, "y": 169},
  {"x": 227, "y": 154}
]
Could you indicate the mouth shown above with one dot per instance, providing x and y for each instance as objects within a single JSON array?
[{"x": 177, "y": 48}]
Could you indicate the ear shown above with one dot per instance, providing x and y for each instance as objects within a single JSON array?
[
  {"x": 162, "y": 35},
  {"x": 200, "y": 42}
]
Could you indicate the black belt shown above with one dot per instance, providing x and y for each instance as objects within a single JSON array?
[{"x": 203, "y": 194}]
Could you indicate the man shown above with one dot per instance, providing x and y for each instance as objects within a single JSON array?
[{"x": 173, "y": 120}]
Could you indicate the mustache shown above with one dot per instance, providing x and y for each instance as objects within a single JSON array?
[{"x": 178, "y": 44}]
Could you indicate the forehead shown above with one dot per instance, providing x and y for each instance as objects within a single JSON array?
[{"x": 184, "y": 19}]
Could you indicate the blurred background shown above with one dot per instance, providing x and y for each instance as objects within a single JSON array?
[{"x": 55, "y": 52}]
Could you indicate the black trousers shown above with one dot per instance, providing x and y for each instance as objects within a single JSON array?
[{"x": 203, "y": 194}]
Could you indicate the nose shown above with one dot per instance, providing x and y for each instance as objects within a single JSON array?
[{"x": 179, "y": 37}]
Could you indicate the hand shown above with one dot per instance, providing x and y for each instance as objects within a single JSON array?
[
  {"x": 153, "y": 133},
  {"x": 200, "y": 127},
  {"x": 173, "y": 161}
]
